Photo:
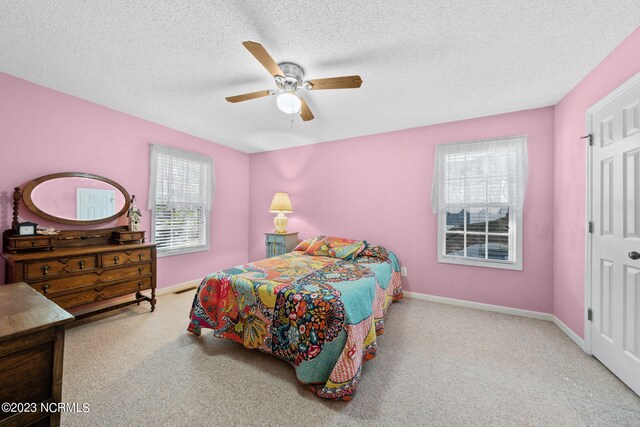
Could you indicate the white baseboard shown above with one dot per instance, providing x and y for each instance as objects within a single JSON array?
[
  {"x": 481, "y": 306},
  {"x": 178, "y": 287},
  {"x": 564, "y": 328}
]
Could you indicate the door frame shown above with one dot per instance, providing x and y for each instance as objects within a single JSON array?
[{"x": 589, "y": 208}]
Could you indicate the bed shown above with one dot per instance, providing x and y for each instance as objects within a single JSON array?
[{"x": 320, "y": 308}]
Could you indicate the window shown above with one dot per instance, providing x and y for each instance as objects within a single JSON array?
[
  {"x": 180, "y": 193},
  {"x": 478, "y": 194}
]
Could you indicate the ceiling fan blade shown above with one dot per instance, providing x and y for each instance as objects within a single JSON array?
[
  {"x": 346, "y": 82},
  {"x": 305, "y": 112},
  {"x": 248, "y": 96},
  {"x": 263, "y": 57}
]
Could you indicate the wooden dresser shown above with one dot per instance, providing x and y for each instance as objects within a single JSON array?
[
  {"x": 80, "y": 268},
  {"x": 85, "y": 268},
  {"x": 31, "y": 351}
]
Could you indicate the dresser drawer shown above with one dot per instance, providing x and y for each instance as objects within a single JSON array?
[
  {"x": 125, "y": 257},
  {"x": 63, "y": 284},
  {"x": 96, "y": 278},
  {"x": 55, "y": 267},
  {"x": 101, "y": 292},
  {"x": 32, "y": 242},
  {"x": 132, "y": 272},
  {"x": 127, "y": 236}
]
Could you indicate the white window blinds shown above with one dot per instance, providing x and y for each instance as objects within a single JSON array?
[
  {"x": 480, "y": 173},
  {"x": 180, "y": 194}
]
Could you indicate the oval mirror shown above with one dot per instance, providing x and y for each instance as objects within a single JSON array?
[{"x": 76, "y": 198}]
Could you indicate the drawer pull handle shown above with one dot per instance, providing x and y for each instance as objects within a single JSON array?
[
  {"x": 140, "y": 270},
  {"x": 46, "y": 289},
  {"x": 140, "y": 256},
  {"x": 45, "y": 269},
  {"x": 116, "y": 259},
  {"x": 140, "y": 285},
  {"x": 81, "y": 265},
  {"x": 34, "y": 242}
]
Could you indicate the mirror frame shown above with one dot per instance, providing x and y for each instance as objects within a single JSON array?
[{"x": 28, "y": 201}]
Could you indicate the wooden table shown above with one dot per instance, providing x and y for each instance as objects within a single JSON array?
[{"x": 31, "y": 350}]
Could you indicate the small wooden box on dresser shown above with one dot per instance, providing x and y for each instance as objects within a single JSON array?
[
  {"x": 31, "y": 351},
  {"x": 280, "y": 244},
  {"x": 87, "y": 267}
]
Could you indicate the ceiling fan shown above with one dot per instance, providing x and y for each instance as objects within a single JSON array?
[{"x": 289, "y": 78}]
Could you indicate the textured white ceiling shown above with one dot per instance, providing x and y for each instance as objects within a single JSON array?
[{"x": 422, "y": 62}]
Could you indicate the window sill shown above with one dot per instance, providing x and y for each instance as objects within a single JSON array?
[
  {"x": 504, "y": 265},
  {"x": 167, "y": 253}
]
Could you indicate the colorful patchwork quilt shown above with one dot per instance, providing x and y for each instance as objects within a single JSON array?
[{"x": 320, "y": 313}]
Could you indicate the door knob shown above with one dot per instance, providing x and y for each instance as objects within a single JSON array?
[{"x": 634, "y": 255}]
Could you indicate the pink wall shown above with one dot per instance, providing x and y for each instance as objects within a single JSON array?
[
  {"x": 378, "y": 188},
  {"x": 43, "y": 131},
  {"x": 570, "y": 177}
]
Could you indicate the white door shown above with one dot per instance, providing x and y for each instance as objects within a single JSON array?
[
  {"x": 615, "y": 240},
  {"x": 95, "y": 204}
]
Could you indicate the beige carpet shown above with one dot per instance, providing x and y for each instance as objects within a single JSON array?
[{"x": 436, "y": 365}]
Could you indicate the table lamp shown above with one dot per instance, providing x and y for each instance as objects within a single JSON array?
[{"x": 280, "y": 205}]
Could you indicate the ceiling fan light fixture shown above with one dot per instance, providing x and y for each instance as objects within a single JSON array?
[{"x": 289, "y": 103}]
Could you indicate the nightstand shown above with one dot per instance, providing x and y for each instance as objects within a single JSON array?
[{"x": 280, "y": 244}]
